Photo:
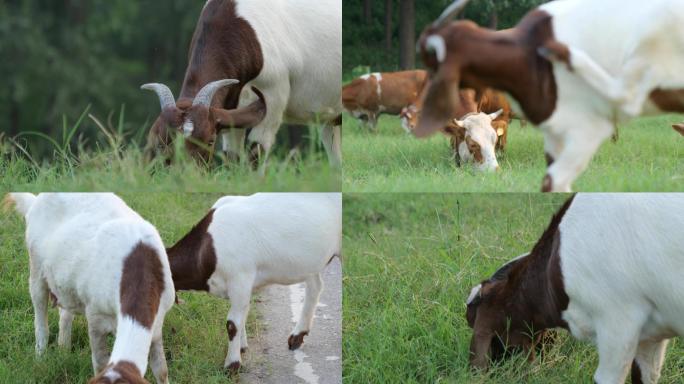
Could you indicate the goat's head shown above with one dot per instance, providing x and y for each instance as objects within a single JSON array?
[
  {"x": 197, "y": 120},
  {"x": 123, "y": 372},
  {"x": 499, "y": 321}
]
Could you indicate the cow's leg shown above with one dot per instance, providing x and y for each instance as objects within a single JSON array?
[
  {"x": 98, "y": 342},
  {"x": 372, "y": 121},
  {"x": 66, "y": 320},
  {"x": 239, "y": 293},
  {"x": 314, "y": 287},
  {"x": 617, "y": 346},
  {"x": 39, "y": 297},
  {"x": 332, "y": 141},
  {"x": 158, "y": 359},
  {"x": 579, "y": 143},
  {"x": 649, "y": 360}
]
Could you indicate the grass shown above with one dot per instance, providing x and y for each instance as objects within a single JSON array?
[
  {"x": 194, "y": 333},
  {"x": 112, "y": 160},
  {"x": 649, "y": 156},
  {"x": 410, "y": 262}
]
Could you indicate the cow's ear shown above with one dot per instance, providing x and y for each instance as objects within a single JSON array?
[{"x": 441, "y": 98}]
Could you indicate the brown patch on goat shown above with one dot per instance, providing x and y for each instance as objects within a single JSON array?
[
  {"x": 224, "y": 46},
  {"x": 668, "y": 100},
  {"x": 480, "y": 58},
  {"x": 142, "y": 283},
  {"x": 193, "y": 258},
  {"x": 232, "y": 330},
  {"x": 679, "y": 128},
  {"x": 549, "y": 159},
  {"x": 124, "y": 372},
  {"x": 296, "y": 341},
  {"x": 524, "y": 296}
]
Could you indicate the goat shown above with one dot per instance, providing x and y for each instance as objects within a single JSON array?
[
  {"x": 608, "y": 269},
  {"x": 92, "y": 254},
  {"x": 288, "y": 49},
  {"x": 554, "y": 64},
  {"x": 247, "y": 242}
]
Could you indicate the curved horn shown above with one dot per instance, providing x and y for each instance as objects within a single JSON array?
[
  {"x": 496, "y": 114},
  {"x": 245, "y": 117},
  {"x": 450, "y": 12},
  {"x": 166, "y": 98},
  {"x": 206, "y": 94}
]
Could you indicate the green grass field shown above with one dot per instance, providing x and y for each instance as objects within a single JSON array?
[
  {"x": 410, "y": 261},
  {"x": 111, "y": 159},
  {"x": 195, "y": 336},
  {"x": 649, "y": 156}
]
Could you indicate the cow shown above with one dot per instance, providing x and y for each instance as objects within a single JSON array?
[
  {"x": 474, "y": 136},
  {"x": 287, "y": 51},
  {"x": 608, "y": 269},
  {"x": 371, "y": 95},
  {"x": 554, "y": 64}
]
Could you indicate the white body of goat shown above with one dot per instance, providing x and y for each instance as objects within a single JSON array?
[
  {"x": 622, "y": 259},
  {"x": 80, "y": 246},
  {"x": 258, "y": 240}
]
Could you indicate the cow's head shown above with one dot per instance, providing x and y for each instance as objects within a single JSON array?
[
  {"x": 409, "y": 117},
  {"x": 197, "y": 120},
  {"x": 479, "y": 143},
  {"x": 498, "y": 319}
]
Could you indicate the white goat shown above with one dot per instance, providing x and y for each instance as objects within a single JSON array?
[
  {"x": 92, "y": 254},
  {"x": 245, "y": 243}
]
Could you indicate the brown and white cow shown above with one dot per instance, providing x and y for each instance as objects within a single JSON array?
[
  {"x": 482, "y": 126},
  {"x": 569, "y": 80},
  {"x": 608, "y": 269},
  {"x": 371, "y": 95}
]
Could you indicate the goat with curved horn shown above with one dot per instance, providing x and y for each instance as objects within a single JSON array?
[
  {"x": 450, "y": 12},
  {"x": 166, "y": 98},
  {"x": 206, "y": 94}
]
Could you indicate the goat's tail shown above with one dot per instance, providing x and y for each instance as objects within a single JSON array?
[{"x": 22, "y": 202}]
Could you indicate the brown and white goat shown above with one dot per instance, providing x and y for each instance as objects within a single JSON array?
[
  {"x": 594, "y": 80},
  {"x": 287, "y": 49},
  {"x": 92, "y": 254},
  {"x": 608, "y": 269}
]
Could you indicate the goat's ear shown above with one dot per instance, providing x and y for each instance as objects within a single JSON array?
[
  {"x": 245, "y": 117},
  {"x": 679, "y": 128},
  {"x": 441, "y": 98}
]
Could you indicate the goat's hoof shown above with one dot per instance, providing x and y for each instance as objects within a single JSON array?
[
  {"x": 243, "y": 350},
  {"x": 547, "y": 184},
  {"x": 233, "y": 368},
  {"x": 295, "y": 341}
]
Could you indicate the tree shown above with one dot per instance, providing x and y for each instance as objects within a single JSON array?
[
  {"x": 407, "y": 34},
  {"x": 388, "y": 25}
]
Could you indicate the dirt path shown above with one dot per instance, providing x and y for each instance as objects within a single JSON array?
[{"x": 318, "y": 361}]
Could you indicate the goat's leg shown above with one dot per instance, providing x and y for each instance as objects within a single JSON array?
[
  {"x": 243, "y": 334},
  {"x": 39, "y": 297},
  {"x": 649, "y": 361},
  {"x": 331, "y": 136},
  {"x": 98, "y": 343},
  {"x": 233, "y": 142},
  {"x": 580, "y": 141},
  {"x": 617, "y": 346},
  {"x": 239, "y": 292},
  {"x": 314, "y": 287},
  {"x": 158, "y": 359},
  {"x": 66, "y": 320}
]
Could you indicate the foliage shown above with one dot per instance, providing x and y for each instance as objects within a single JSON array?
[
  {"x": 60, "y": 56},
  {"x": 363, "y": 42}
]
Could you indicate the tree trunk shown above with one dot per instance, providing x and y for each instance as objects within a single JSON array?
[
  {"x": 367, "y": 11},
  {"x": 493, "y": 19},
  {"x": 388, "y": 25},
  {"x": 407, "y": 34}
]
